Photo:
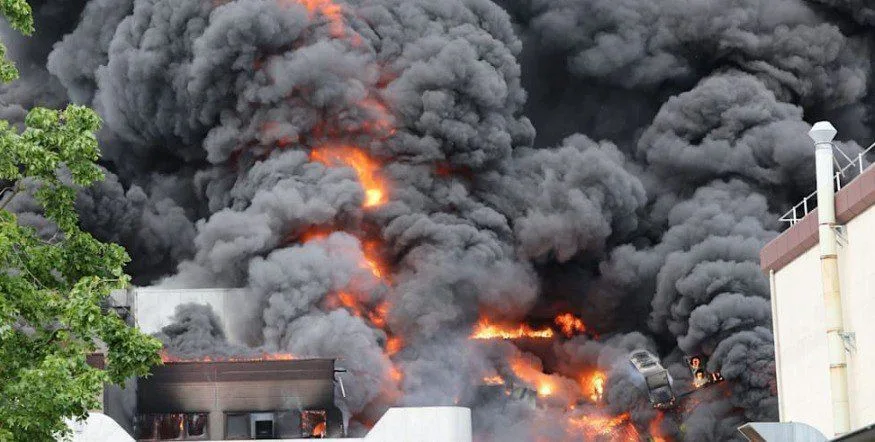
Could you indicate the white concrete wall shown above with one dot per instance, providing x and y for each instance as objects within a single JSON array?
[
  {"x": 857, "y": 270},
  {"x": 801, "y": 335},
  {"x": 801, "y": 343},
  {"x": 424, "y": 424},
  {"x": 153, "y": 308}
]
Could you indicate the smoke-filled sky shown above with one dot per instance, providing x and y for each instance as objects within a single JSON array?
[{"x": 383, "y": 176}]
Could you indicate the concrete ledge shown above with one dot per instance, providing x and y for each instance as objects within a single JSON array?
[{"x": 851, "y": 200}]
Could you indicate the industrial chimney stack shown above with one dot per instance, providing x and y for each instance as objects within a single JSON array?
[{"x": 823, "y": 133}]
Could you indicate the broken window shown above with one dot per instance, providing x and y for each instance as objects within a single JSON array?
[
  {"x": 314, "y": 423},
  {"x": 196, "y": 424},
  {"x": 170, "y": 427}
]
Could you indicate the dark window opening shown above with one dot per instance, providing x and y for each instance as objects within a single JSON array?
[
  {"x": 170, "y": 427},
  {"x": 146, "y": 426},
  {"x": 196, "y": 424},
  {"x": 263, "y": 429},
  {"x": 237, "y": 426}
]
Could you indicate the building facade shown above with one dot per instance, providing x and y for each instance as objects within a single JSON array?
[{"x": 793, "y": 263}]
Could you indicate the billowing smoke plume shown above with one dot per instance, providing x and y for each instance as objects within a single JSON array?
[{"x": 385, "y": 177}]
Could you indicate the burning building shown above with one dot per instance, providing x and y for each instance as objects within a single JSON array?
[
  {"x": 268, "y": 399},
  {"x": 440, "y": 192}
]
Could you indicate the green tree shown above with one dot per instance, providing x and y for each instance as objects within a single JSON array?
[{"x": 52, "y": 289}]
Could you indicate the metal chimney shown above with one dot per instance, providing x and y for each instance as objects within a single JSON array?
[{"x": 823, "y": 133}]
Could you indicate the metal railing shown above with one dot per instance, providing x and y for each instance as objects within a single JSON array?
[{"x": 809, "y": 203}]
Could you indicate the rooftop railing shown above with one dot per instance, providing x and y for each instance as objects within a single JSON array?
[{"x": 849, "y": 171}]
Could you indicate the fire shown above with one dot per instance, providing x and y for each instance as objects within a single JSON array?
[
  {"x": 493, "y": 380},
  {"x": 329, "y": 10},
  {"x": 487, "y": 330},
  {"x": 569, "y": 324},
  {"x": 376, "y": 315},
  {"x": 594, "y": 385},
  {"x": 370, "y": 250},
  {"x": 314, "y": 233},
  {"x": 530, "y": 371},
  {"x": 166, "y": 357},
  {"x": 545, "y": 389},
  {"x": 655, "y": 428},
  {"x": 319, "y": 430},
  {"x": 393, "y": 345},
  {"x": 381, "y": 123},
  {"x": 396, "y": 374},
  {"x": 616, "y": 427},
  {"x": 365, "y": 167}
]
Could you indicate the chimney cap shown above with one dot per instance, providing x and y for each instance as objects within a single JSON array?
[{"x": 822, "y": 132}]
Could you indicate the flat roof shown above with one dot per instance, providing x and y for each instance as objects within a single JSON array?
[
  {"x": 236, "y": 371},
  {"x": 851, "y": 200}
]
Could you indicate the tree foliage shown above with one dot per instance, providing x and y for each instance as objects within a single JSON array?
[{"x": 52, "y": 289}]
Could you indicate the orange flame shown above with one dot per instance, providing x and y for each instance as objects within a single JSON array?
[
  {"x": 319, "y": 430},
  {"x": 314, "y": 233},
  {"x": 370, "y": 250},
  {"x": 594, "y": 384},
  {"x": 493, "y": 380},
  {"x": 570, "y": 325},
  {"x": 396, "y": 374},
  {"x": 485, "y": 329},
  {"x": 365, "y": 167},
  {"x": 619, "y": 428},
  {"x": 393, "y": 345},
  {"x": 655, "y": 428},
  {"x": 329, "y": 10},
  {"x": 530, "y": 372}
]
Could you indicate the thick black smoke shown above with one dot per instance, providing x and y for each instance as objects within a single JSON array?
[{"x": 621, "y": 160}]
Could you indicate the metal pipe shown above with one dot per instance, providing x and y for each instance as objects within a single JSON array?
[{"x": 823, "y": 133}]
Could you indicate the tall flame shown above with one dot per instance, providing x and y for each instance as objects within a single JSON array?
[
  {"x": 569, "y": 324},
  {"x": 365, "y": 167},
  {"x": 594, "y": 385}
]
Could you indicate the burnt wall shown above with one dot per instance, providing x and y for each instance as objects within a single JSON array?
[{"x": 218, "y": 388}]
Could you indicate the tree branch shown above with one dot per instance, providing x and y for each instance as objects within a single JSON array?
[{"x": 15, "y": 191}]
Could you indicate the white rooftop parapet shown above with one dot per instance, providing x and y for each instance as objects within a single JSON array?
[
  {"x": 423, "y": 424},
  {"x": 781, "y": 432},
  {"x": 97, "y": 428}
]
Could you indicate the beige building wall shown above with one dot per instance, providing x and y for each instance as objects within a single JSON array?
[{"x": 800, "y": 334}]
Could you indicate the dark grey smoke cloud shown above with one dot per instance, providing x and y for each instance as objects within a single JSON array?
[{"x": 669, "y": 136}]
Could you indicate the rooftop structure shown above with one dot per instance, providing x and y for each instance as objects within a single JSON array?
[{"x": 822, "y": 286}]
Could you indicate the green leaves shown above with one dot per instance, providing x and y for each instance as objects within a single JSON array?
[
  {"x": 20, "y": 17},
  {"x": 19, "y": 14},
  {"x": 52, "y": 288}
]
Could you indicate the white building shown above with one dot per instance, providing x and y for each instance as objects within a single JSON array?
[{"x": 830, "y": 389}]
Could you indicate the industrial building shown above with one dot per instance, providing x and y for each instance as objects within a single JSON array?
[
  {"x": 238, "y": 400},
  {"x": 823, "y": 295},
  {"x": 227, "y": 399}
]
